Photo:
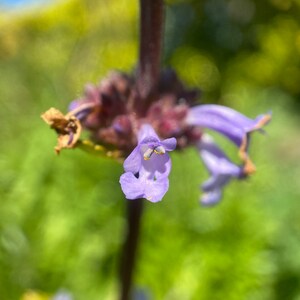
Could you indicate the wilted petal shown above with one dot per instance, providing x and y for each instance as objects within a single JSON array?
[{"x": 68, "y": 128}]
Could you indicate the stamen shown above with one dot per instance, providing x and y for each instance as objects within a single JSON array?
[
  {"x": 148, "y": 153},
  {"x": 160, "y": 150}
]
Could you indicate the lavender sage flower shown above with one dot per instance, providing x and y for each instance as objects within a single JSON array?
[
  {"x": 221, "y": 169},
  {"x": 147, "y": 167},
  {"x": 144, "y": 132},
  {"x": 230, "y": 123}
]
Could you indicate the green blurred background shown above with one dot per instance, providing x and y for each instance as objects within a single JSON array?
[{"x": 62, "y": 218}]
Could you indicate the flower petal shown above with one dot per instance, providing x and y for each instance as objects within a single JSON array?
[
  {"x": 233, "y": 116},
  {"x": 131, "y": 186},
  {"x": 135, "y": 188},
  {"x": 145, "y": 132},
  {"x": 147, "y": 167},
  {"x": 211, "y": 197},
  {"x": 158, "y": 166},
  {"x": 222, "y": 170},
  {"x": 133, "y": 162},
  {"x": 80, "y": 108},
  {"x": 226, "y": 121},
  {"x": 217, "y": 123},
  {"x": 155, "y": 190},
  {"x": 215, "y": 182},
  {"x": 224, "y": 112},
  {"x": 215, "y": 159},
  {"x": 169, "y": 144}
]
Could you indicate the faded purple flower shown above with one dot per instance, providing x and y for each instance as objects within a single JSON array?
[{"x": 147, "y": 167}]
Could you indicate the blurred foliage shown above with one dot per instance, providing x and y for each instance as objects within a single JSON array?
[
  {"x": 62, "y": 218},
  {"x": 236, "y": 42}
]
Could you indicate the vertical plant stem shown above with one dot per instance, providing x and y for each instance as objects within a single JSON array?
[
  {"x": 151, "y": 33},
  {"x": 134, "y": 214}
]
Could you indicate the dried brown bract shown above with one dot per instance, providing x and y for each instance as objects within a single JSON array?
[{"x": 67, "y": 127}]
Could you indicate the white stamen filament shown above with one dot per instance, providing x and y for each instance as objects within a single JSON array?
[
  {"x": 148, "y": 153},
  {"x": 160, "y": 150}
]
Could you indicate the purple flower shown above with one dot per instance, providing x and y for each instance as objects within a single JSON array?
[
  {"x": 226, "y": 121},
  {"x": 222, "y": 170},
  {"x": 237, "y": 128},
  {"x": 121, "y": 122},
  {"x": 147, "y": 167}
]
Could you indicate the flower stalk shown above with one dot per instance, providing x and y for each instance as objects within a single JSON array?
[
  {"x": 134, "y": 215},
  {"x": 151, "y": 39},
  {"x": 141, "y": 117},
  {"x": 148, "y": 72}
]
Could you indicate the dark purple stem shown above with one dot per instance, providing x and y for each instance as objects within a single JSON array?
[
  {"x": 151, "y": 31},
  {"x": 134, "y": 214}
]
